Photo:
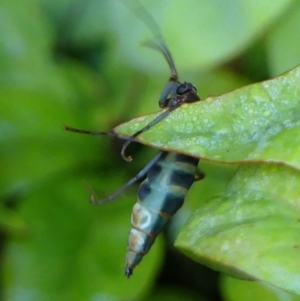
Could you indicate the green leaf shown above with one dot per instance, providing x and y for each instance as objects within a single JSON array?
[
  {"x": 212, "y": 32},
  {"x": 72, "y": 250},
  {"x": 253, "y": 230},
  {"x": 174, "y": 294},
  {"x": 59, "y": 247},
  {"x": 236, "y": 290},
  {"x": 229, "y": 127},
  {"x": 281, "y": 56}
]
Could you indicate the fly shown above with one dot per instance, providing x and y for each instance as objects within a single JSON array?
[{"x": 169, "y": 174}]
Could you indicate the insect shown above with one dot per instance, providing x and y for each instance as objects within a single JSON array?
[{"x": 169, "y": 174}]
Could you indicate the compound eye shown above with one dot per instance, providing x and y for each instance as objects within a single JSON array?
[{"x": 182, "y": 89}]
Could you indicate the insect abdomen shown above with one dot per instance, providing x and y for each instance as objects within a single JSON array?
[{"x": 160, "y": 195}]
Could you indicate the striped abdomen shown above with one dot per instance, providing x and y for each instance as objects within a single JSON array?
[{"x": 160, "y": 195}]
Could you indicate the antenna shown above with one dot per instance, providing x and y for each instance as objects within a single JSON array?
[{"x": 160, "y": 45}]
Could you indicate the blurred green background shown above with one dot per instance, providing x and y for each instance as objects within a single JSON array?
[{"x": 80, "y": 63}]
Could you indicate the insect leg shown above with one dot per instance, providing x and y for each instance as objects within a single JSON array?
[
  {"x": 173, "y": 82},
  {"x": 199, "y": 175},
  {"x": 170, "y": 88},
  {"x": 94, "y": 199},
  {"x": 148, "y": 126},
  {"x": 95, "y": 133}
]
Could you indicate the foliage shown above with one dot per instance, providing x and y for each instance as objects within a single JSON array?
[{"x": 78, "y": 63}]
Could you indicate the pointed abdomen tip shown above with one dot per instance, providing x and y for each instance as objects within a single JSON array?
[{"x": 128, "y": 272}]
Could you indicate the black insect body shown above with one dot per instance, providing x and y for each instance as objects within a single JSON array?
[
  {"x": 169, "y": 175},
  {"x": 159, "y": 198}
]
